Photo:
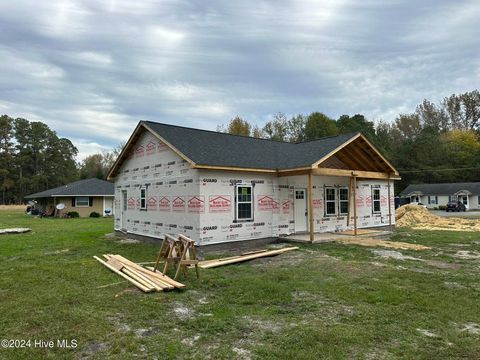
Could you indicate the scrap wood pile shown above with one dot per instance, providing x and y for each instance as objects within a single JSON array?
[
  {"x": 144, "y": 279},
  {"x": 418, "y": 217},
  {"x": 244, "y": 257}
]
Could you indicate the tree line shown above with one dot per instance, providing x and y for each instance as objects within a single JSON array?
[
  {"x": 34, "y": 158},
  {"x": 435, "y": 143}
]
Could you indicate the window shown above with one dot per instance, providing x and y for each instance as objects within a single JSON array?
[
  {"x": 299, "y": 194},
  {"x": 433, "y": 200},
  {"x": 343, "y": 200},
  {"x": 452, "y": 198},
  {"x": 143, "y": 198},
  {"x": 82, "y": 201},
  {"x": 376, "y": 200},
  {"x": 244, "y": 200},
  {"x": 124, "y": 200},
  {"x": 330, "y": 201}
]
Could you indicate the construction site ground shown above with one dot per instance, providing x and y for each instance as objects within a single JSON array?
[{"x": 325, "y": 300}]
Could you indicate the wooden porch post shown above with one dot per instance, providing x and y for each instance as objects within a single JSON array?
[
  {"x": 354, "y": 178},
  {"x": 310, "y": 206},
  {"x": 389, "y": 206},
  {"x": 349, "y": 212}
]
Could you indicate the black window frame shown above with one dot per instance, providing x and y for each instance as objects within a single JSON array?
[
  {"x": 237, "y": 202},
  {"x": 340, "y": 201},
  {"x": 329, "y": 201},
  {"x": 375, "y": 189},
  {"x": 143, "y": 199}
]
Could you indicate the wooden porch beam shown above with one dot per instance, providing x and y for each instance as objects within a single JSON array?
[
  {"x": 357, "y": 173},
  {"x": 354, "y": 185}
]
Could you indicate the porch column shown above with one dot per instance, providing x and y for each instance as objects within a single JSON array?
[
  {"x": 389, "y": 206},
  {"x": 310, "y": 206},
  {"x": 354, "y": 178}
]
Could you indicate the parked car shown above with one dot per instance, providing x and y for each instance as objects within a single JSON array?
[
  {"x": 418, "y": 203},
  {"x": 456, "y": 206}
]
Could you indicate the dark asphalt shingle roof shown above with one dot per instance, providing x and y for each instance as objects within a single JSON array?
[
  {"x": 91, "y": 187},
  {"x": 220, "y": 149},
  {"x": 442, "y": 189}
]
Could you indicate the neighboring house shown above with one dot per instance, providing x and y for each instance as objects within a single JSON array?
[
  {"x": 216, "y": 187},
  {"x": 83, "y": 196},
  {"x": 435, "y": 195}
]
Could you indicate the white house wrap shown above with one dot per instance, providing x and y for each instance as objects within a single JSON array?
[{"x": 165, "y": 183}]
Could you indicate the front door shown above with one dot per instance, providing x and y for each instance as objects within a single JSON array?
[
  {"x": 124, "y": 210},
  {"x": 301, "y": 212},
  {"x": 464, "y": 200}
]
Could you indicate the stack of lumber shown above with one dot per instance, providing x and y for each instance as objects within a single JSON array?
[
  {"x": 144, "y": 279},
  {"x": 244, "y": 257}
]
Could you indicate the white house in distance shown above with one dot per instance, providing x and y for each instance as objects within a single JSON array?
[
  {"x": 435, "y": 195},
  {"x": 216, "y": 187}
]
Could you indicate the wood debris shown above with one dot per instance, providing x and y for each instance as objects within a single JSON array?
[
  {"x": 236, "y": 259},
  {"x": 143, "y": 278},
  {"x": 364, "y": 241},
  {"x": 14, "y": 231}
]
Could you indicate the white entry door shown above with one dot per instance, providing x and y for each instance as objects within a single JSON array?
[
  {"x": 124, "y": 210},
  {"x": 301, "y": 212}
]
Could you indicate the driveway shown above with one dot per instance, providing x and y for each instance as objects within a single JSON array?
[{"x": 465, "y": 215}]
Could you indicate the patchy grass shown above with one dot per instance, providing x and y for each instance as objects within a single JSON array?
[{"x": 328, "y": 301}]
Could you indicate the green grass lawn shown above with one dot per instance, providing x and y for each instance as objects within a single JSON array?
[{"x": 325, "y": 301}]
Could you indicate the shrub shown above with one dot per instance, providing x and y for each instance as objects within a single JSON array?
[
  {"x": 73, "y": 214},
  {"x": 94, "y": 214},
  {"x": 442, "y": 207}
]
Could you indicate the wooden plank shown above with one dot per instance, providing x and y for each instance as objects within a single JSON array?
[
  {"x": 349, "y": 198},
  {"x": 148, "y": 271},
  {"x": 293, "y": 172},
  {"x": 315, "y": 164},
  {"x": 141, "y": 279},
  {"x": 253, "y": 252},
  {"x": 379, "y": 154},
  {"x": 389, "y": 207},
  {"x": 354, "y": 205},
  {"x": 357, "y": 173},
  {"x": 221, "y": 262},
  {"x": 310, "y": 207},
  {"x": 126, "y": 277},
  {"x": 368, "y": 165}
]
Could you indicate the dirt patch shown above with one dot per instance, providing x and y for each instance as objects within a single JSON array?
[
  {"x": 57, "y": 252},
  {"x": 427, "y": 333},
  {"x": 391, "y": 254},
  {"x": 190, "y": 341},
  {"x": 242, "y": 353},
  {"x": 471, "y": 328},
  {"x": 183, "y": 312},
  {"x": 467, "y": 255},
  {"x": 372, "y": 242},
  {"x": 418, "y": 217}
]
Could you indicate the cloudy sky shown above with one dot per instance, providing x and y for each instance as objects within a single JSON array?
[{"x": 92, "y": 69}]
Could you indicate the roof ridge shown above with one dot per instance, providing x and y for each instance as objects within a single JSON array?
[
  {"x": 250, "y": 137},
  {"x": 216, "y": 132}
]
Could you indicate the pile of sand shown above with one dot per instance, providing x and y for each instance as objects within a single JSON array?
[{"x": 417, "y": 217}]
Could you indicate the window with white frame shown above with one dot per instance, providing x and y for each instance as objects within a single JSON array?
[
  {"x": 343, "y": 200},
  {"x": 244, "y": 202},
  {"x": 143, "y": 198},
  {"x": 330, "y": 201},
  {"x": 433, "y": 200},
  {"x": 82, "y": 201},
  {"x": 452, "y": 198},
  {"x": 376, "y": 200}
]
